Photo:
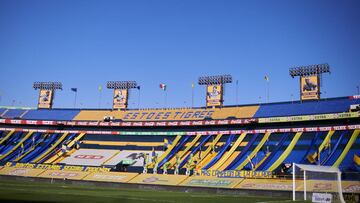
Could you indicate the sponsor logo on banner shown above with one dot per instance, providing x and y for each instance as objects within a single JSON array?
[
  {"x": 45, "y": 99},
  {"x": 210, "y": 183},
  {"x": 355, "y": 188},
  {"x": 83, "y": 156},
  {"x": 214, "y": 95},
  {"x": 309, "y": 87},
  {"x": 154, "y": 179},
  {"x": 109, "y": 177},
  {"x": 322, "y": 197},
  {"x": 18, "y": 172},
  {"x": 63, "y": 174},
  {"x": 120, "y": 99}
]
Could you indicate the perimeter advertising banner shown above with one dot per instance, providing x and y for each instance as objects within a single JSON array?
[
  {"x": 214, "y": 95},
  {"x": 120, "y": 99},
  {"x": 310, "y": 87},
  {"x": 45, "y": 99}
]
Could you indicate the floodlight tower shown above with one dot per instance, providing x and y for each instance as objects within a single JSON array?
[
  {"x": 310, "y": 79},
  {"x": 46, "y": 93},
  {"x": 121, "y": 92},
  {"x": 215, "y": 89}
]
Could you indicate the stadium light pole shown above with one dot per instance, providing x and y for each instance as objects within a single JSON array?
[
  {"x": 48, "y": 86},
  {"x": 237, "y": 92},
  {"x": 310, "y": 70},
  {"x": 121, "y": 85},
  {"x": 358, "y": 92},
  {"x": 192, "y": 95},
  {"x": 216, "y": 80}
]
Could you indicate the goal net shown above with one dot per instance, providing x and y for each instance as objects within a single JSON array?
[{"x": 317, "y": 183}]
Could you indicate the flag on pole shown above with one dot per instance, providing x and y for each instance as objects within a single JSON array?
[
  {"x": 266, "y": 78},
  {"x": 166, "y": 142},
  {"x": 74, "y": 89},
  {"x": 163, "y": 86},
  {"x": 153, "y": 152},
  {"x": 251, "y": 163}
]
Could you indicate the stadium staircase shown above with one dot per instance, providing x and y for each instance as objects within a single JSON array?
[
  {"x": 60, "y": 154},
  {"x": 183, "y": 153},
  {"x": 254, "y": 152},
  {"x": 220, "y": 153},
  {"x": 175, "y": 150},
  {"x": 194, "y": 151},
  {"x": 37, "y": 139},
  {"x": 224, "y": 158},
  {"x": 341, "y": 141},
  {"x": 209, "y": 153},
  {"x": 285, "y": 153},
  {"x": 168, "y": 150},
  {"x": 313, "y": 157},
  {"x": 16, "y": 146},
  {"x": 238, "y": 159},
  {"x": 38, "y": 159},
  {"x": 7, "y": 137},
  {"x": 347, "y": 148},
  {"x": 269, "y": 156}
]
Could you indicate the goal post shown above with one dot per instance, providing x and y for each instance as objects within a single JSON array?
[{"x": 323, "y": 182}]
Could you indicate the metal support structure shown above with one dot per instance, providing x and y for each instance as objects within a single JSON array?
[
  {"x": 121, "y": 84},
  {"x": 215, "y": 80},
  {"x": 309, "y": 70},
  {"x": 47, "y": 85}
]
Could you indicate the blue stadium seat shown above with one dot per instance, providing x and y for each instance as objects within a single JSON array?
[
  {"x": 335, "y": 105},
  {"x": 54, "y": 114},
  {"x": 14, "y": 113}
]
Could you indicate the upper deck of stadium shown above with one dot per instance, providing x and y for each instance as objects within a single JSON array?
[{"x": 266, "y": 110}]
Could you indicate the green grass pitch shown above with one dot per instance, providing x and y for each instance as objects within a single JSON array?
[{"x": 25, "y": 191}]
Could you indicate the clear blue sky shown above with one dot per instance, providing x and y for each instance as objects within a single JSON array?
[{"x": 83, "y": 44}]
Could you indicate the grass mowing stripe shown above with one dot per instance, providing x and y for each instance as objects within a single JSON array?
[{"x": 16, "y": 190}]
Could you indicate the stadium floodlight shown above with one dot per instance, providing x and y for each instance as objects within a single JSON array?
[
  {"x": 121, "y": 84},
  {"x": 309, "y": 70},
  {"x": 215, "y": 80},
  {"x": 47, "y": 85}
]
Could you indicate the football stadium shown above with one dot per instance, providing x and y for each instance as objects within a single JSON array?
[{"x": 305, "y": 150}]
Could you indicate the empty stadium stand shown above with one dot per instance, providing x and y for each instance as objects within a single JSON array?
[
  {"x": 77, "y": 145},
  {"x": 54, "y": 114}
]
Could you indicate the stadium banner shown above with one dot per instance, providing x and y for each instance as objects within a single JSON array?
[
  {"x": 269, "y": 184},
  {"x": 236, "y": 174},
  {"x": 322, "y": 186},
  {"x": 120, "y": 98},
  {"x": 351, "y": 186},
  {"x": 111, "y": 177},
  {"x": 64, "y": 174},
  {"x": 45, "y": 100},
  {"x": 214, "y": 95},
  {"x": 89, "y": 157},
  {"x": 158, "y": 179},
  {"x": 309, "y": 87},
  {"x": 309, "y": 117},
  {"x": 57, "y": 167},
  {"x": 193, "y": 133},
  {"x": 209, "y": 181},
  {"x": 26, "y": 172},
  {"x": 132, "y": 157}
]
